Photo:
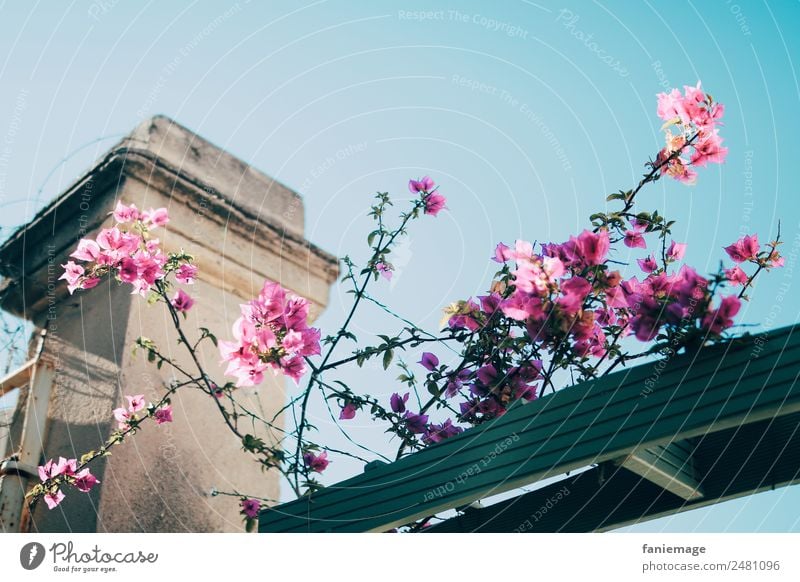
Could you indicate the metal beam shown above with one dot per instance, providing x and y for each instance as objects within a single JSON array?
[
  {"x": 669, "y": 466},
  {"x": 744, "y": 381},
  {"x": 739, "y": 461}
]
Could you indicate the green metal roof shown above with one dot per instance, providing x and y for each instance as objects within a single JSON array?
[{"x": 745, "y": 381}]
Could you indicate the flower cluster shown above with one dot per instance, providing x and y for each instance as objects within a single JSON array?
[
  {"x": 127, "y": 417},
  {"x": 64, "y": 471},
  {"x": 128, "y": 252},
  {"x": 316, "y": 463},
  {"x": 427, "y": 189},
  {"x": 696, "y": 116},
  {"x": 272, "y": 333}
]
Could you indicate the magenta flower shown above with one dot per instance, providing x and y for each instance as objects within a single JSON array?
[
  {"x": 416, "y": 423},
  {"x": 502, "y": 253},
  {"x": 634, "y": 239},
  {"x": 744, "y": 249},
  {"x": 186, "y": 274},
  {"x": 123, "y": 213},
  {"x": 429, "y": 361},
  {"x": 348, "y": 411},
  {"x": 163, "y": 414},
  {"x": 398, "y": 403},
  {"x": 88, "y": 250},
  {"x": 385, "y": 271},
  {"x": 155, "y": 218},
  {"x": 316, "y": 463},
  {"x": 251, "y": 507},
  {"x": 122, "y": 417},
  {"x": 434, "y": 203},
  {"x": 135, "y": 403},
  {"x": 709, "y": 150},
  {"x": 592, "y": 247},
  {"x": 736, "y": 276},
  {"x": 718, "y": 320},
  {"x": 676, "y": 251},
  {"x": 182, "y": 301},
  {"x": 53, "y": 469},
  {"x": 438, "y": 432},
  {"x": 425, "y": 184},
  {"x": 85, "y": 481},
  {"x": 256, "y": 347},
  {"x": 72, "y": 275},
  {"x": 53, "y": 499},
  {"x": 648, "y": 265}
]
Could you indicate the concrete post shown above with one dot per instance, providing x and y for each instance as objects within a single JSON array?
[{"x": 243, "y": 228}]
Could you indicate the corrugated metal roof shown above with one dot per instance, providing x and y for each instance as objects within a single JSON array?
[{"x": 748, "y": 380}]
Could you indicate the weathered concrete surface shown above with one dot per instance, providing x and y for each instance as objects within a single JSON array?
[{"x": 242, "y": 228}]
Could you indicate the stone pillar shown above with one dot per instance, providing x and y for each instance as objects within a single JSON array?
[{"x": 242, "y": 227}]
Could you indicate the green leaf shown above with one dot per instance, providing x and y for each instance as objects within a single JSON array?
[{"x": 387, "y": 358}]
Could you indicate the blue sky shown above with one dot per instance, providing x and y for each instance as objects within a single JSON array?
[{"x": 527, "y": 114}]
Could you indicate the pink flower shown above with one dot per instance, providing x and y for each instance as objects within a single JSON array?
[
  {"x": 123, "y": 214},
  {"x": 502, "y": 253},
  {"x": 316, "y": 463},
  {"x": 128, "y": 270},
  {"x": 186, "y": 274},
  {"x": 155, "y": 218},
  {"x": 385, "y": 271},
  {"x": 348, "y": 411},
  {"x": 89, "y": 282},
  {"x": 53, "y": 499},
  {"x": 398, "y": 403},
  {"x": 182, "y": 301},
  {"x": 72, "y": 275},
  {"x": 123, "y": 417},
  {"x": 294, "y": 368},
  {"x": 634, "y": 239},
  {"x": 736, "y": 276},
  {"x": 592, "y": 247},
  {"x": 676, "y": 251},
  {"x": 648, "y": 265},
  {"x": 416, "y": 423},
  {"x": 429, "y": 361},
  {"x": 709, "y": 150},
  {"x": 135, "y": 403},
  {"x": 251, "y": 507},
  {"x": 718, "y": 320},
  {"x": 434, "y": 203},
  {"x": 88, "y": 250},
  {"x": 425, "y": 184},
  {"x": 163, "y": 414},
  {"x": 744, "y": 249},
  {"x": 85, "y": 481},
  {"x": 53, "y": 469}
]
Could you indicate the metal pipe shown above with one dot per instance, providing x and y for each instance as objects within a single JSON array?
[{"x": 16, "y": 471}]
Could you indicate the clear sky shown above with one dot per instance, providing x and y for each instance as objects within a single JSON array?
[{"x": 526, "y": 113}]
